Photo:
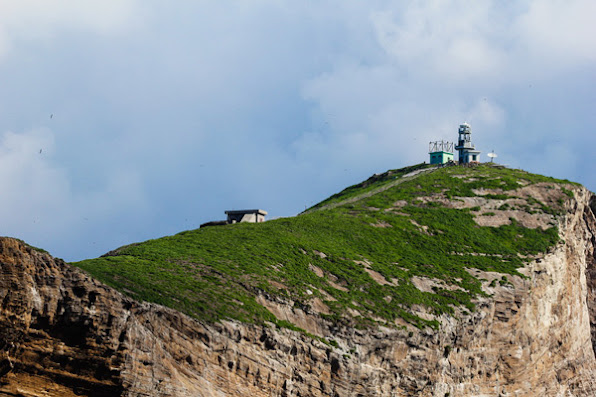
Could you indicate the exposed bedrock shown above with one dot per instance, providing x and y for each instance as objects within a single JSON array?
[{"x": 65, "y": 334}]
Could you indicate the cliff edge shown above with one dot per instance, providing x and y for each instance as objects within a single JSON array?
[{"x": 63, "y": 333}]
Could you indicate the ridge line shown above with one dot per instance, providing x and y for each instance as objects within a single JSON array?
[{"x": 380, "y": 189}]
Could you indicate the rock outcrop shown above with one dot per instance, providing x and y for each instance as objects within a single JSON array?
[{"x": 64, "y": 334}]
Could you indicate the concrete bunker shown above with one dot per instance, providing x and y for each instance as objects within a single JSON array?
[{"x": 238, "y": 216}]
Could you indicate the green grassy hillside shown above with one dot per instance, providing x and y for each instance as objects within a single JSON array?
[{"x": 357, "y": 256}]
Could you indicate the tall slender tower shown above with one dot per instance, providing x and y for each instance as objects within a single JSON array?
[{"x": 467, "y": 151}]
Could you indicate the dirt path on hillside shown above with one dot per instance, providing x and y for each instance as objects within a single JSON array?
[{"x": 403, "y": 179}]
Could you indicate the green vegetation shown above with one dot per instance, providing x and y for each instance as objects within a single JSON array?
[
  {"x": 333, "y": 254},
  {"x": 496, "y": 196},
  {"x": 569, "y": 193},
  {"x": 377, "y": 181},
  {"x": 31, "y": 246}
]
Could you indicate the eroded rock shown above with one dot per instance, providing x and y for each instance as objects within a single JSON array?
[{"x": 65, "y": 334}]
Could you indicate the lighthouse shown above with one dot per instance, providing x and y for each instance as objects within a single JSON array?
[{"x": 467, "y": 151}]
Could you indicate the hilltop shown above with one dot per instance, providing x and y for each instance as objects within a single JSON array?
[
  {"x": 421, "y": 281},
  {"x": 379, "y": 252}
]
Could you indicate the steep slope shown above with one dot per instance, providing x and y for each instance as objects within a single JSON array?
[
  {"x": 457, "y": 281},
  {"x": 360, "y": 260}
]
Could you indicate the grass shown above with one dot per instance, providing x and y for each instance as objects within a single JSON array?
[
  {"x": 218, "y": 272},
  {"x": 34, "y": 248},
  {"x": 374, "y": 182}
]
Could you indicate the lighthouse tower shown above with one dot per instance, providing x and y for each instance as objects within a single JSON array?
[{"x": 467, "y": 151}]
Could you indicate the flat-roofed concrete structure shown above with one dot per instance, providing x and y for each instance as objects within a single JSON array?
[
  {"x": 253, "y": 216},
  {"x": 441, "y": 152}
]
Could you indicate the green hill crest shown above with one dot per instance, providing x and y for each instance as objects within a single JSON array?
[{"x": 402, "y": 247}]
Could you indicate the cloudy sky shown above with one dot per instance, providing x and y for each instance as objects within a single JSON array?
[{"x": 124, "y": 120}]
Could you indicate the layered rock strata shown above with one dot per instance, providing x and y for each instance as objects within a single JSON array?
[{"x": 64, "y": 334}]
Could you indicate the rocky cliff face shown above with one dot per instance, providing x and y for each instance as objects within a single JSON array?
[{"x": 64, "y": 334}]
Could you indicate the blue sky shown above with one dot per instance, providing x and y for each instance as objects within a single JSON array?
[{"x": 124, "y": 120}]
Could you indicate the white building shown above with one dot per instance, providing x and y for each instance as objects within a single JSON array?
[{"x": 467, "y": 151}]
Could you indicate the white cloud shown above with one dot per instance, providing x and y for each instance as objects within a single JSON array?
[
  {"x": 22, "y": 159},
  {"x": 474, "y": 41},
  {"x": 31, "y": 188},
  {"x": 488, "y": 63},
  {"x": 487, "y": 113},
  {"x": 42, "y": 20},
  {"x": 451, "y": 39},
  {"x": 166, "y": 113},
  {"x": 37, "y": 200},
  {"x": 560, "y": 31}
]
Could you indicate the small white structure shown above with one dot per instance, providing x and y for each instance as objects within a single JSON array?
[
  {"x": 253, "y": 216},
  {"x": 467, "y": 151},
  {"x": 492, "y": 156}
]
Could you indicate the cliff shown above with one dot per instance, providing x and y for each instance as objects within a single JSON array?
[{"x": 529, "y": 331}]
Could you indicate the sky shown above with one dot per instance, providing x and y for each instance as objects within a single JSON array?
[{"x": 126, "y": 120}]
